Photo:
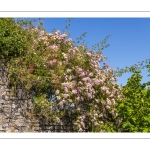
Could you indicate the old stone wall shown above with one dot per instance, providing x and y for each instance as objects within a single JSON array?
[{"x": 16, "y": 111}]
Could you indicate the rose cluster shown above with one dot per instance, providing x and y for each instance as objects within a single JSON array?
[{"x": 68, "y": 80}]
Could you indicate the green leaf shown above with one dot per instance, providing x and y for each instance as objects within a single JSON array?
[{"x": 146, "y": 130}]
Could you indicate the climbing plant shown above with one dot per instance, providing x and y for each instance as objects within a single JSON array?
[{"x": 65, "y": 79}]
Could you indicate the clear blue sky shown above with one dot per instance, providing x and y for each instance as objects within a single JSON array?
[{"x": 129, "y": 41}]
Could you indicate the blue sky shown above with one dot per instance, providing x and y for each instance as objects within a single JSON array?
[{"x": 129, "y": 41}]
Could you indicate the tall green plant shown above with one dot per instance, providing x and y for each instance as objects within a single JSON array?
[
  {"x": 134, "y": 108},
  {"x": 14, "y": 39}
]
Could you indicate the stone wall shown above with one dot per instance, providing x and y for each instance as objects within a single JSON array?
[{"x": 16, "y": 111}]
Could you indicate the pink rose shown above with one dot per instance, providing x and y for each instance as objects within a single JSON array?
[{"x": 74, "y": 91}]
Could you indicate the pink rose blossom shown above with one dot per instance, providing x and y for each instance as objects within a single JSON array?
[
  {"x": 74, "y": 91},
  {"x": 58, "y": 120},
  {"x": 57, "y": 92},
  {"x": 72, "y": 105},
  {"x": 64, "y": 35},
  {"x": 57, "y": 32},
  {"x": 65, "y": 95},
  {"x": 58, "y": 97},
  {"x": 89, "y": 54}
]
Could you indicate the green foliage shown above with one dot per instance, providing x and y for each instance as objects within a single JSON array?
[
  {"x": 101, "y": 45},
  {"x": 66, "y": 79},
  {"x": 67, "y": 26},
  {"x": 106, "y": 127},
  {"x": 134, "y": 68},
  {"x": 148, "y": 66},
  {"x": 14, "y": 40},
  {"x": 134, "y": 108}
]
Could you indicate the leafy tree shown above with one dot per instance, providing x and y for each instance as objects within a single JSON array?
[
  {"x": 134, "y": 108},
  {"x": 14, "y": 39}
]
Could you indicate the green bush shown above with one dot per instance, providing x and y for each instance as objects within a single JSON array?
[
  {"x": 14, "y": 39},
  {"x": 134, "y": 108}
]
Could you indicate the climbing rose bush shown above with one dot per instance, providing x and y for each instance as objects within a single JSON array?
[{"x": 67, "y": 80}]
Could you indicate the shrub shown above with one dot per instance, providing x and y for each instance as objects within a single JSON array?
[
  {"x": 134, "y": 109},
  {"x": 66, "y": 80}
]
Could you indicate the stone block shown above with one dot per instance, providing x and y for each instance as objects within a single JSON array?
[
  {"x": 36, "y": 128},
  {"x": 7, "y": 110},
  {"x": 1, "y": 110},
  {"x": 1, "y": 128},
  {"x": 20, "y": 122},
  {"x": 3, "y": 120},
  {"x": 25, "y": 129},
  {"x": 10, "y": 129},
  {"x": 13, "y": 106},
  {"x": 5, "y": 125},
  {"x": 6, "y": 98}
]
